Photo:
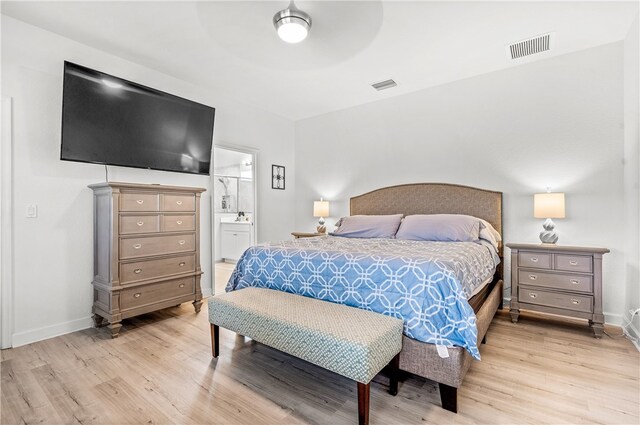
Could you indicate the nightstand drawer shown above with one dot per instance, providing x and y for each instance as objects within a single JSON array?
[
  {"x": 534, "y": 259},
  {"x": 567, "y": 282},
  {"x": 574, "y": 263},
  {"x": 574, "y": 302}
]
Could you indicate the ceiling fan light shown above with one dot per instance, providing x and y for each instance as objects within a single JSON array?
[{"x": 292, "y": 24}]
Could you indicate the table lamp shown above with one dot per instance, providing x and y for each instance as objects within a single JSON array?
[
  {"x": 548, "y": 205},
  {"x": 321, "y": 209}
]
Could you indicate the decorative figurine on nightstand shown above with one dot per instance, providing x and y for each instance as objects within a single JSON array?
[
  {"x": 548, "y": 205},
  {"x": 321, "y": 209}
]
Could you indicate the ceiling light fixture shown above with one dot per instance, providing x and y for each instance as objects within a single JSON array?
[{"x": 292, "y": 24}]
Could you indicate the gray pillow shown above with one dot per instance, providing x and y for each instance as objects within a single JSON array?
[
  {"x": 368, "y": 226},
  {"x": 440, "y": 227}
]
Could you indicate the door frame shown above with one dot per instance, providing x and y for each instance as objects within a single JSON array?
[
  {"x": 254, "y": 169},
  {"x": 6, "y": 224}
]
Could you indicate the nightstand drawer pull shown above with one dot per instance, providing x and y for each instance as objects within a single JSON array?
[
  {"x": 179, "y": 222},
  {"x": 137, "y": 271},
  {"x": 532, "y": 295},
  {"x": 533, "y": 277},
  {"x": 575, "y": 302},
  {"x": 140, "y": 201},
  {"x": 573, "y": 263},
  {"x": 140, "y": 223},
  {"x": 575, "y": 281},
  {"x": 182, "y": 264},
  {"x": 534, "y": 259},
  {"x": 137, "y": 246},
  {"x": 181, "y": 242},
  {"x": 181, "y": 285},
  {"x": 137, "y": 295},
  {"x": 179, "y": 202}
]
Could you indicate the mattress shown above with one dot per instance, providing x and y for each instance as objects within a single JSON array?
[{"x": 426, "y": 284}]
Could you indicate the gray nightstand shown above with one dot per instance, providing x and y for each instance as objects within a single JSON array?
[
  {"x": 565, "y": 280},
  {"x": 298, "y": 235}
]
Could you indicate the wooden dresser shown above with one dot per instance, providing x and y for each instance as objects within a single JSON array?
[
  {"x": 146, "y": 250},
  {"x": 565, "y": 280}
]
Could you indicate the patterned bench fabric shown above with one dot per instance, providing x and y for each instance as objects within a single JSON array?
[{"x": 349, "y": 341}]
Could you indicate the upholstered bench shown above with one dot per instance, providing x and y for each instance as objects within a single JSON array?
[{"x": 349, "y": 341}]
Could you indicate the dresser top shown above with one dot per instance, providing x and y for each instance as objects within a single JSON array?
[
  {"x": 139, "y": 186},
  {"x": 557, "y": 248}
]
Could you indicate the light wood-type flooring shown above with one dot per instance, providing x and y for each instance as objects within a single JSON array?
[{"x": 160, "y": 371}]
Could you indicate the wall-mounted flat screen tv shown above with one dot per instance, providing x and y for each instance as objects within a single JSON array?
[{"x": 108, "y": 120}]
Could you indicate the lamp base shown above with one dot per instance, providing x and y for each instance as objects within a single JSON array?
[
  {"x": 321, "y": 229},
  {"x": 548, "y": 235}
]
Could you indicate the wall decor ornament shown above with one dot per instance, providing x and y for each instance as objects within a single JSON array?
[{"x": 277, "y": 177}]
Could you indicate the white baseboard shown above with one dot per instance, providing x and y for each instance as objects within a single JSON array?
[
  {"x": 613, "y": 319},
  {"x": 207, "y": 292},
  {"x": 35, "y": 335}
]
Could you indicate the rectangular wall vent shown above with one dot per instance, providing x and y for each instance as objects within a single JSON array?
[
  {"x": 531, "y": 46},
  {"x": 386, "y": 84}
]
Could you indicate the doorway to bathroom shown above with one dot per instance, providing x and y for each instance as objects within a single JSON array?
[{"x": 234, "y": 208}]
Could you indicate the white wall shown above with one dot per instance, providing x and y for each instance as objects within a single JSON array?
[
  {"x": 53, "y": 257},
  {"x": 555, "y": 122},
  {"x": 631, "y": 173}
]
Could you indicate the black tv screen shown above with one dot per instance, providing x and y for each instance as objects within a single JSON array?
[{"x": 108, "y": 120}]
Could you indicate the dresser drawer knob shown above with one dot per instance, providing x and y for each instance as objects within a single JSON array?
[
  {"x": 534, "y": 259},
  {"x": 573, "y": 262},
  {"x": 137, "y": 271},
  {"x": 137, "y": 246},
  {"x": 137, "y": 295},
  {"x": 181, "y": 242},
  {"x": 576, "y": 302},
  {"x": 179, "y": 222},
  {"x": 182, "y": 264},
  {"x": 140, "y": 223},
  {"x": 533, "y": 295},
  {"x": 140, "y": 201},
  {"x": 533, "y": 277},
  {"x": 181, "y": 285},
  {"x": 575, "y": 281},
  {"x": 179, "y": 202}
]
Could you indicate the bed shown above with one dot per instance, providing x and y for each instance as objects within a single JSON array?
[{"x": 394, "y": 277}]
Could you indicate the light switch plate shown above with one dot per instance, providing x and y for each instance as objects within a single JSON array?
[{"x": 32, "y": 211}]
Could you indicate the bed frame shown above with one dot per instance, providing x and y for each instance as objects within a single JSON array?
[{"x": 421, "y": 358}]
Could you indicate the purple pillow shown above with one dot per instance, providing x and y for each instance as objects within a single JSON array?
[
  {"x": 368, "y": 226},
  {"x": 440, "y": 227}
]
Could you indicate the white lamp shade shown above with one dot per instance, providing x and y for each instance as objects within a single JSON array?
[
  {"x": 548, "y": 205},
  {"x": 320, "y": 208}
]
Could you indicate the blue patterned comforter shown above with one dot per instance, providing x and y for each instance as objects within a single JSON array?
[{"x": 426, "y": 284}]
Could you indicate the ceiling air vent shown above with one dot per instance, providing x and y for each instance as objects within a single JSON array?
[
  {"x": 530, "y": 46},
  {"x": 386, "y": 84}
]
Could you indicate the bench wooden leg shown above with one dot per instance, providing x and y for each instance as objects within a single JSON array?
[
  {"x": 215, "y": 340},
  {"x": 449, "y": 397},
  {"x": 363, "y": 403},
  {"x": 394, "y": 371}
]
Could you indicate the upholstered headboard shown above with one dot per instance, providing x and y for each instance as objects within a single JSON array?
[{"x": 432, "y": 198}]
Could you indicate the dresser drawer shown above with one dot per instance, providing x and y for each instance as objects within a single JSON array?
[
  {"x": 574, "y": 263},
  {"x": 156, "y": 245},
  {"x": 176, "y": 223},
  {"x": 567, "y": 282},
  {"x": 130, "y": 224},
  {"x": 583, "y": 303},
  {"x": 534, "y": 259},
  {"x": 139, "y": 202},
  {"x": 178, "y": 203},
  {"x": 156, "y": 292},
  {"x": 140, "y": 270}
]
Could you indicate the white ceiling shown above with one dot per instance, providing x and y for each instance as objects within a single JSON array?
[{"x": 233, "y": 48}]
